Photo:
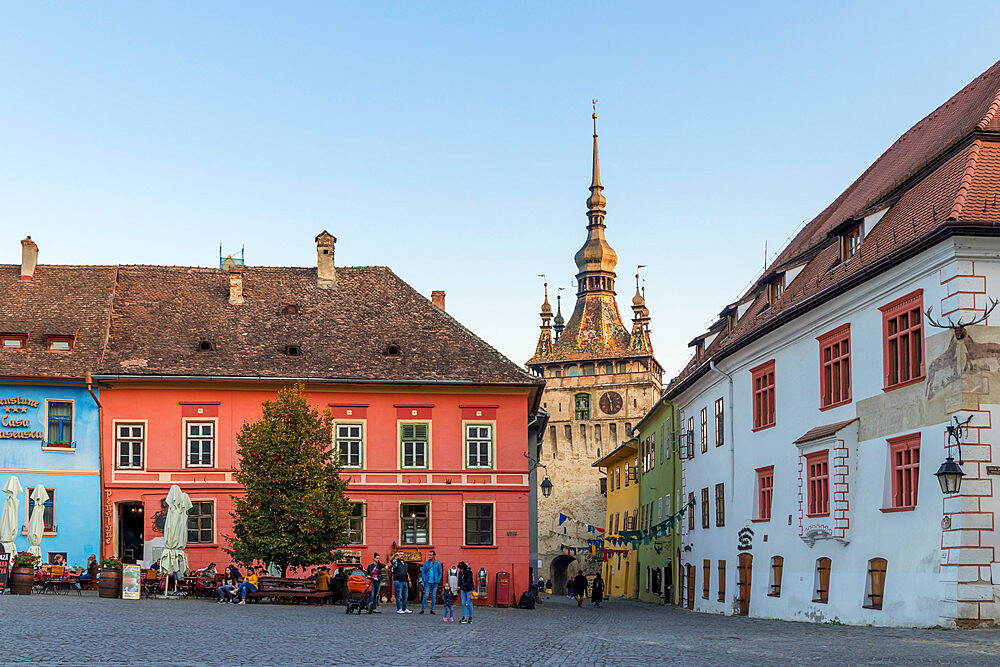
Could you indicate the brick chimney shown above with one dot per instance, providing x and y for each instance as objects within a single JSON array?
[
  {"x": 236, "y": 285},
  {"x": 29, "y": 258},
  {"x": 326, "y": 274},
  {"x": 437, "y": 298}
]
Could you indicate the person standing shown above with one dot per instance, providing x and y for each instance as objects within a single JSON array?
[
  {"x": 448, "y": 597},
  {"x": 430, "y": 575},
  {"x": 401, "y": 583},
  {"x": 466, "y": 585},
  {"x": 597, "y": 590},
  {"x": 374, "y": 573},
  {"x": 579, "y": 588}
]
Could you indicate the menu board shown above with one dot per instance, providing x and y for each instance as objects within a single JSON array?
[
  {"x": 130, "y": 582},
  {"x": 4, "y": 571}
]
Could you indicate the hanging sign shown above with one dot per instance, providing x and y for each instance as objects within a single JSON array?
[{"x": 13, "y": 409}]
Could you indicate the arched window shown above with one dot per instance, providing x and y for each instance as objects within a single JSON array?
[
  {"x": 821, "y": 582},
  {"x": 875, "y": 585},
  {"x": 582, "y": 403}
]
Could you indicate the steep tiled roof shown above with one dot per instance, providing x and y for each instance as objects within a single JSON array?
[
  {"x": 942, "y": 174},
  {"x": 162, "y": 313},
  {"x": 824, "y": 431},
  {"x": 60, "y": 300},
  {"x": 594, "y": 331}
]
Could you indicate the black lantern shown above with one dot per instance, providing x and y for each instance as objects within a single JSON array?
[
  {"x": 950, "y": 476},
  {"x": 546, "y": 484},
  {"x": 950, "y": 473},
  {"x": 546, "y": 487}
]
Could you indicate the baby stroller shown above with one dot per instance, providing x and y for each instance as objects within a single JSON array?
[{"x": 359, "y": 588}]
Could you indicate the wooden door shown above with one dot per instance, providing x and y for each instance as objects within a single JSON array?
[
  {"x": 745, "y": 569},
  {"x": 690, "y": 586}
]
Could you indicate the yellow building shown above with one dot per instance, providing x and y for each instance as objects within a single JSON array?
[{"x": 622, "y": 493}]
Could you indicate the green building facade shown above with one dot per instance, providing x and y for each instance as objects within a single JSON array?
[{"x": 660, "y": 496}]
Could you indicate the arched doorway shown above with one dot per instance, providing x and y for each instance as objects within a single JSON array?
[
  {"x": 559, "y": 572},
  {"x": 745, "y": 570}
]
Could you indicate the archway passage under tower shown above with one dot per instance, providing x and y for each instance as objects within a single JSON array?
[{"x": 562, "y": 569}]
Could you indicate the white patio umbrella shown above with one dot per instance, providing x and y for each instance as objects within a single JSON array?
[
  {"x": 9, "y": 521},
  {"x": 173, "y": 559},
  {"x": 36, "y": 522}
]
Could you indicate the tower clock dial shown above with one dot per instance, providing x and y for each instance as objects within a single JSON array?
[{"x": 611, "y": 402}]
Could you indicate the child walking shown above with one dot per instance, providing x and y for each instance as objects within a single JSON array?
[{"x": 448, "y": 596}]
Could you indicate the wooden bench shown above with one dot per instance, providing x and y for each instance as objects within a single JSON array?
[{"x": 289, "y": 589}]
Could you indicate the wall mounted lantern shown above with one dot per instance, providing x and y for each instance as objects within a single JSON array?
[{"x": 950, "y": 474}]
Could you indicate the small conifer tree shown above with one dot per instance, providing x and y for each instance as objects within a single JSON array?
[{"x": 294, "y": 512}]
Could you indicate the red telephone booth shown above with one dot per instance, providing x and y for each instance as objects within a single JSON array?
[{"x": 502, "y": 591}]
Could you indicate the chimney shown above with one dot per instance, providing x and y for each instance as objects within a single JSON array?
[
  {"x": 29, "y": 258},
  {"x": 236, "y": 285},
  {"x": 437, "y": 298},
  {"x": 326, "y": 274}
]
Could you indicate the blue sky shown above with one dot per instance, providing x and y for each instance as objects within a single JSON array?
[{"x": 451, "y": 141}]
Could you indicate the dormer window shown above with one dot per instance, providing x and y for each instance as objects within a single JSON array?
[
  {"x": 13, "y": 341},
  {"x": 206, "y": 346},
  {"x": 775, "y": 288},
  {"x": 392, "y": 350},
  {"x": 850, "y": 242},
  {"x": 290, "y": 309},
  {"x": 59, "y": 343},
  {"x": 293, "y": 350},
  {"x": 731, "y": 321}
]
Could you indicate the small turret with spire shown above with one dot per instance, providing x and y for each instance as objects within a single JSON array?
[
  {"x": 544, "y": 347},
  {"x": 558, "y": 323},
  {"x": 640, "y": 320}
]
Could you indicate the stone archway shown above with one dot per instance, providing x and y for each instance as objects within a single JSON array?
[{"x": 561, "y": 570}]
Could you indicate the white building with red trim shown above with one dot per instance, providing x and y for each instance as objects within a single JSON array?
[{"x": 836, "y": 390}]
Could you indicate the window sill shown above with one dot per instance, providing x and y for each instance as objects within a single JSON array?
[
  {"x": 820, "y": 601},
  {"x": 24, "y": 533},
  {"x": 905, "y": 384},
  {"x": 824, "y": 408},
  {"x": 761, "y": 428},
  {"x": 59, "y": 450},
  {"x": 774, "y": 595},
  {"x": 130, "y": 470},
  {"x": 760, "y": 520},
  {"x": 480, "y": 546},
  {"x": 897, "y": 509},
  {"x": 818, "y": 516},
  {"x": 478, "y": 469},
  {"x": 213, "y": 545}
]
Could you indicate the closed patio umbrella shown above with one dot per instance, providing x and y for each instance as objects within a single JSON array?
[
  {"x": 9, "y": 522},
  {"x": 36, "y": 522},
  {"x": 173, "y": 559}
]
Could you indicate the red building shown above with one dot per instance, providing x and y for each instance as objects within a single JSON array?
[{"x": 431, "y": 423}]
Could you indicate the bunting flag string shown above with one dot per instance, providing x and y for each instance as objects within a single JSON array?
[
  {"x": 563, "y": 518},
  {"x": 634, "y": 537}
]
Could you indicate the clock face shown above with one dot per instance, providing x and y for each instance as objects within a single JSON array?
[{"x": 611, "y": 402}]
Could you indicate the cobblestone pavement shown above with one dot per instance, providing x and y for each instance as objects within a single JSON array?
[{"x": 66, "y": 629}]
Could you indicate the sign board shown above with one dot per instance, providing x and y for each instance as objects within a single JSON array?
[
  {"x": 130, "y": 582},
  {"x": 4, "y": 571},
  {"x": 993, "y": 470},
  {"x": 412, "y": 556},
  {"x": 13, "y": 415}
]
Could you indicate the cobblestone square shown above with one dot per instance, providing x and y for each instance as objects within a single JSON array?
[{"x": 66, "y": 629}]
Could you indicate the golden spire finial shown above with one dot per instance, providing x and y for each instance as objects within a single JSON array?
[{"x": 594, "y": 103}]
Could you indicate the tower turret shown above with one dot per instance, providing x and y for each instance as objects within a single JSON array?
[{"x": 544, "y": 347}]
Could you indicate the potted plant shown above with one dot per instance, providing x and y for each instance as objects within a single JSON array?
[
  {"x": 22, "y": 573},
  {"x": 109, "y": 583}
]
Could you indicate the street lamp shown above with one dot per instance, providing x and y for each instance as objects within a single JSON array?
[
  {"x": 950, "y": 473},
  {"x": 546, "y": 483}
]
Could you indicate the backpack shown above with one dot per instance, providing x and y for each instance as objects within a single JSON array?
[{"x": 527, "y": 601}]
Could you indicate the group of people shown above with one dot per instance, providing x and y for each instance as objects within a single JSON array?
[
  {"x": 576, "y": 588},
  {"x": 234, "y": 584},
  {"x": 431, "y": 576}
]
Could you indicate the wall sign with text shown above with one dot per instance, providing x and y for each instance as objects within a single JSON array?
[{"x": 14, "y": 415}]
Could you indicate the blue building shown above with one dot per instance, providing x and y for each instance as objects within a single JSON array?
[{"x": 53, "y": 330}]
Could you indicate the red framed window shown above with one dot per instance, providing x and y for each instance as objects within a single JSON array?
[
  {"x": 905, "y": 455},
  {"x": 765, "y": 491},
  {"x": 818, "y": 478},
  {"x": 762, "y": 378},
  {"x": 835, "y": 367},
  {"x": 903, "y": 335}
]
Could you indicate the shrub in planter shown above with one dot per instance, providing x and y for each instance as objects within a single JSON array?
[
  {"x": 22, "y": 574},
  {"x": 109, "y": 584}
]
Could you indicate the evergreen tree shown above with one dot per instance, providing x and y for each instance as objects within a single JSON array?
[{"x": 294, "y": 512}]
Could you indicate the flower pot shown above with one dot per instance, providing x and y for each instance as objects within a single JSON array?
[
  {"x": 109, "y": 585},
  {"x": 22, "y": 578}
]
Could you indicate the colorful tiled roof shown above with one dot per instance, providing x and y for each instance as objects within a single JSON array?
[
  {"x": 942, "y": 176},
  {"x": 59, "y": 300}
]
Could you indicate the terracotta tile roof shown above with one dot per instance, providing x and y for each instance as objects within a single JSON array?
[
  {"x": 162, "y": 313},
  {"x": 823, "y": 431},
  {"x": 66, "y": 300},
  {"x": 594, "y": 331},
  {"x": 955, "y": 165}
]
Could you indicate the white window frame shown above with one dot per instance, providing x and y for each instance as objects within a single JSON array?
[
  {"x": 130, "y": 438},
  {"x": 478, "y": 441},
  {"x": 188, "y": 438},
  {"x": 351, "y": 440}
]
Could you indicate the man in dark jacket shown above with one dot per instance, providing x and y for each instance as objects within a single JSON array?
[
  {"x": 579, "y": 588},
  {"x": 401, "y": 582},
  {"x": 374, "y": 573}
]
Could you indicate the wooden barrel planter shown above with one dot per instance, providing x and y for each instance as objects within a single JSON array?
[
  {"x": 22, "y": 578},
  {"x": 110, "y": 583}
]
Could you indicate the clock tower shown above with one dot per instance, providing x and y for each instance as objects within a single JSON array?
[{"x": 601, "y": 378}]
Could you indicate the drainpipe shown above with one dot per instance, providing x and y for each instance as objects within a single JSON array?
[
  {"x": 732, "y": 440},
  {"x": 100, "y": 454}
]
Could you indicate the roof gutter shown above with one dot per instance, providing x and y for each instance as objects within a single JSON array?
[
  {"x": 935, "y": 236},
  {"x": 305, "y": 380}
]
